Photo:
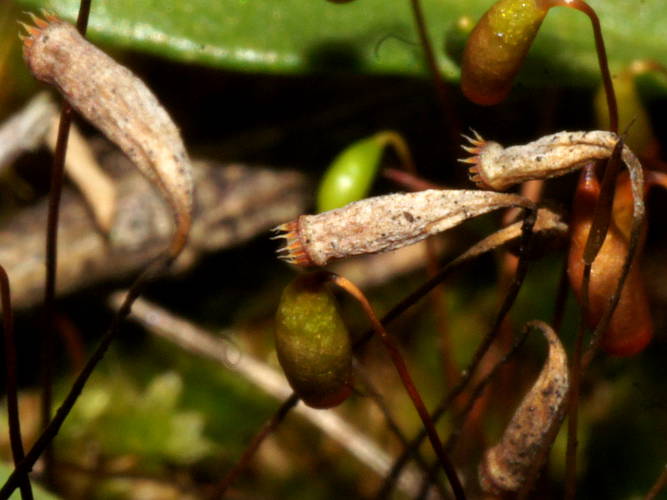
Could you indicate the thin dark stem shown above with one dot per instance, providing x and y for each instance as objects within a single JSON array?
[
  {"x": 408, "y": 383},
  {"x": 84, "y": 15},
  {"x": 408, "y": 180},
  {"x": 393, "y": 427},
  {"x": 157, "y": 267},
  {"x": 604, "y": 205},
  {"x": 575, "y": 386},
  {"x": 47, "y": 342},
  {"x": 449, "y": 114},
  {"x": 474, "y": 396},
  {"x": 268, "y": 427},
  {"x": 450, "y": 369},
  {"x": 11, "y": 384},
  {"x": 596, "y": 237},
  {"x": 582, "y": 6},
  {"x": 57, "y": 170},
  {"x": 466, "y": 376}
]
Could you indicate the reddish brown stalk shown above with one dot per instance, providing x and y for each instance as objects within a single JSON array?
[
  {"x": 57, "y": 169},
  {"x": 11, "y": 383},
  {"x": 581, "y": 361},
  {"x": 599, "y": 227},
  {"x": 470, "y": 404},
  {"x": 395, "y": 429},
  {"x": 603, "y": 207},
  {"x": 596, "y": 237},
  {"x": 482, "y": 349},
  {"x": 48, "y": 341},
  {"x": 582, "y": 6},
  {"x": 409, "y": 180},
  {"x": 449, "y": 114},
  {"x": 404, "y": 374},
  {"x": 268, "y": 427}
]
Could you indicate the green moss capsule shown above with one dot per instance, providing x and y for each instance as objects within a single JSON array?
[
  {"x": 497, "y": 47},
  {"x": 313, "y": 343},
  {"x": 351, "y": 174}
]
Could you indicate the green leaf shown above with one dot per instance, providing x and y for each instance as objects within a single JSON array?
[{"x": 365, "y": 36}]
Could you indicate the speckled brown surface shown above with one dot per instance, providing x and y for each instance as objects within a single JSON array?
[{"x": 118, "y": 103}]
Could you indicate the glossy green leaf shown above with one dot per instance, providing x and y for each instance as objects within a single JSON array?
[{"x": 371, "y": 36}]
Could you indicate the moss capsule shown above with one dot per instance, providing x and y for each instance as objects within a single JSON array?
[
  {"x": 313, "y": 343},
  {"x": 631, "y": 326},
  {"x": 351, "y": 174},
  {"x": 497, "y": 47}
]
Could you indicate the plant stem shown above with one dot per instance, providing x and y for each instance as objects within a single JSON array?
[
  {"x": 55, "y": 191},
  {"x": 470, "y": 404},
  {"x": 449, "y": 115},
  {"x": 10, "y": 370},
  {"x": 49, "y": 433},
  {"x": 408, "y": 383},
  {"x": 466, "y": 376},
  {"x": 250, "y": 450}
]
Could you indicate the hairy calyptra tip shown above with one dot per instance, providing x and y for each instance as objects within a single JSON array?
[
  {"x": 293, "y": 251},
  {"x": 475, "y": 146}
]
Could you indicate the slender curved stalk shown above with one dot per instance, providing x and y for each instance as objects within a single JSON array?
[
  {"x": 408, "y": 383},
  {"x": 474, "y": 396},
  {"x": 11, "y": 387},
  {"x": 57, "y": 173},
  {"x": 513, "y": 291},
  {"x": 449, "y": 115},
  {"x": 598, "y": 226},
  {"x": 46, "y": 437},
  {"x": 395, "y": 429},
  {"x": 601, "y": 51},
  {"x": 268, "y": 427}
]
